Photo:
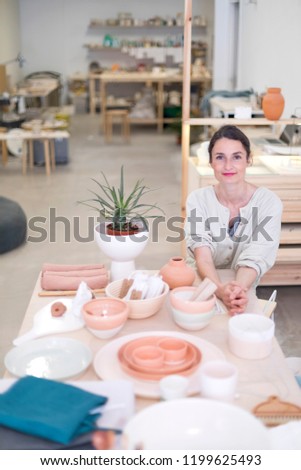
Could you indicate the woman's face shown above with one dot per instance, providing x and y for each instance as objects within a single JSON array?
[{"x": 229, "y": 161}]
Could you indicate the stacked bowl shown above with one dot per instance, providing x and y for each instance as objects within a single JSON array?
[{"x": 190, "y": 314}]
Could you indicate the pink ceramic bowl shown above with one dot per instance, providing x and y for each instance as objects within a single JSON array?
[
  {"x": 148, "y": 356},
  {"x": 174, "y": 350},
  {"x": 179, "y": 299},
  {"x": 104, "y": 317},
  {"x": 138, "y": 308}
]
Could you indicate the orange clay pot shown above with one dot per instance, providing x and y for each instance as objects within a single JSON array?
[
  {"x": 176, "y": 273},
  {"x": 273, "y": 104}
]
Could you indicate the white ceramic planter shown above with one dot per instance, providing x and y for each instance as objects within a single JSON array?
[{"x": 122, "y": 250}]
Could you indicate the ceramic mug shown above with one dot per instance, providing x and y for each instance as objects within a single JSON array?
[{"x": 218, "y": 380}]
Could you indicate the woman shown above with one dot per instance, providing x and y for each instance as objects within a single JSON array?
[{"x": 233, "y": 228}]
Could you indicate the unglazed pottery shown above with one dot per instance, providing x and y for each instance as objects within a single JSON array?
[
  {"x": 273, "y": 104},
  {"x": 148, "y": 356},
  {"x": 174, "y": 350},
  {"x": 177, "y": 273},
  {"x": 139, "y": 359}
]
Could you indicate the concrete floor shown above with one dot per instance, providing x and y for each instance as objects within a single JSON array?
[{"x": 154, "y": 157}]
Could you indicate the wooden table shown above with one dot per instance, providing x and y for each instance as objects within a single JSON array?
[
  {"x": 38, "y": 88},
  {"x": 47, "y": 137},
  {"x": 258, "y": 379},
  {"x": 158, "y": 79}
]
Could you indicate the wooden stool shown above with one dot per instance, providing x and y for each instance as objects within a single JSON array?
[
  {"x": 49, "y": 154},
  {"x": 123, "y": 118}
]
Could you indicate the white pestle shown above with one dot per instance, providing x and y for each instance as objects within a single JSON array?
[
  {"x": 204, "y": 291},
  {"x": 207, "y": 292},
  {"x": 200, "y": 288}
]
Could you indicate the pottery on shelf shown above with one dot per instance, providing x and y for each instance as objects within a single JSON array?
[
  {"x": 176, "y": 273},
  {"x": 273, "y": 104}
]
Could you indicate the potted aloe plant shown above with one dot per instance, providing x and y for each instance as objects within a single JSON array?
[{"x": 123, "y": 231}]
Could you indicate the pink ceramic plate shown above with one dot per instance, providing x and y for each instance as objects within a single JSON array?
[
  {"x": 128, "y": 350},
  {"x": 154, "y": 376},
  {"x": 186, "y": 366},
  {"x": 126, "y": 355}
]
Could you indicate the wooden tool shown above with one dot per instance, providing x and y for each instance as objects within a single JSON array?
[
  {"x": 273, "y": 411},
  {"x": 62, "y": 293}
]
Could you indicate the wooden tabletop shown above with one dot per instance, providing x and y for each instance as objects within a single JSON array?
[{"x": 258, "y": 379}]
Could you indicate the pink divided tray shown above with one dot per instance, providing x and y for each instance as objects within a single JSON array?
[{"x": 186, "y": 367}]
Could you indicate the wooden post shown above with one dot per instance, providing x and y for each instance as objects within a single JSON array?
[{"x": 186, "y": 100}]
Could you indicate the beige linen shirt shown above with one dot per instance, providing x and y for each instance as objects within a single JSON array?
[{"x": 256, "y": 239}]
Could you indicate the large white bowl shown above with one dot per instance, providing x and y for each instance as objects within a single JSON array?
[
  {"x": 143, "y": 308},
  {"x": 195, "y": 423}
]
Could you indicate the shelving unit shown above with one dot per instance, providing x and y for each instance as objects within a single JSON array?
[
  {"x": 148, "y": 42},
  {"x": 287, "y": 269},
  {"x": 159, "y": 81}
]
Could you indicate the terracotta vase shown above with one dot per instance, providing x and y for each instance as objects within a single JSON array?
[
  {"x": 176, "y": 273},
  {"x": 273, "y": 104}
]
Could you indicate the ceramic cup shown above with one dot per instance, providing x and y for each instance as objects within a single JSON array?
[
  {"x": 218, "y": 380},
  {"x": 174, "y": 350},
  {"x": 173, "y": 387},
  {"x": 148, "y": 356}
]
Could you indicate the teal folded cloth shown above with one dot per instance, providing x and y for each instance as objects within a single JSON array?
[
  {"x": 49, "y": 409},
  {"x": 298, "y": 378}
]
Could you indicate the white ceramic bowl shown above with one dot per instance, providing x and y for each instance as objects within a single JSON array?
[
  {"x": 138, "y": 308},
  {"x": 192, "y": 321},
  {"x": 105, "y": 317},
  {"x": 251, "y": 335},
  {"x": 195, "y": 423}
]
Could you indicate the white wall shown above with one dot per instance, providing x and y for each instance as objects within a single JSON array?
[
  {"x": 270, "y": 48},
  {"x": 269, "y": 55},
  {"x": 53, "y": 32},
  {"x": 10, "y": 38}
]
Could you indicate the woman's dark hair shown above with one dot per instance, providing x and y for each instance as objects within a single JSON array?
[{"x": 233, "y": 133}]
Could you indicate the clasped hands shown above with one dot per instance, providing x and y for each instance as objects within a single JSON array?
[{"x": 234, "y": 296}]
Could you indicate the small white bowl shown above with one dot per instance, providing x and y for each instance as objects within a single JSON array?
[
  {"x": 173, "y": 387},
  {"x": 251, "y": 335}
]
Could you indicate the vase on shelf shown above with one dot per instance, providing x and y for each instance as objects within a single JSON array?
[
  {"x": 273, "y": 104},
  {"x": 176, "y": 273}
]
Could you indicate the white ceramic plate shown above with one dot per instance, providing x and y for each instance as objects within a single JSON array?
[
  {"x": 107, "y": 366},
  {"x": 50, "y": 358}
]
